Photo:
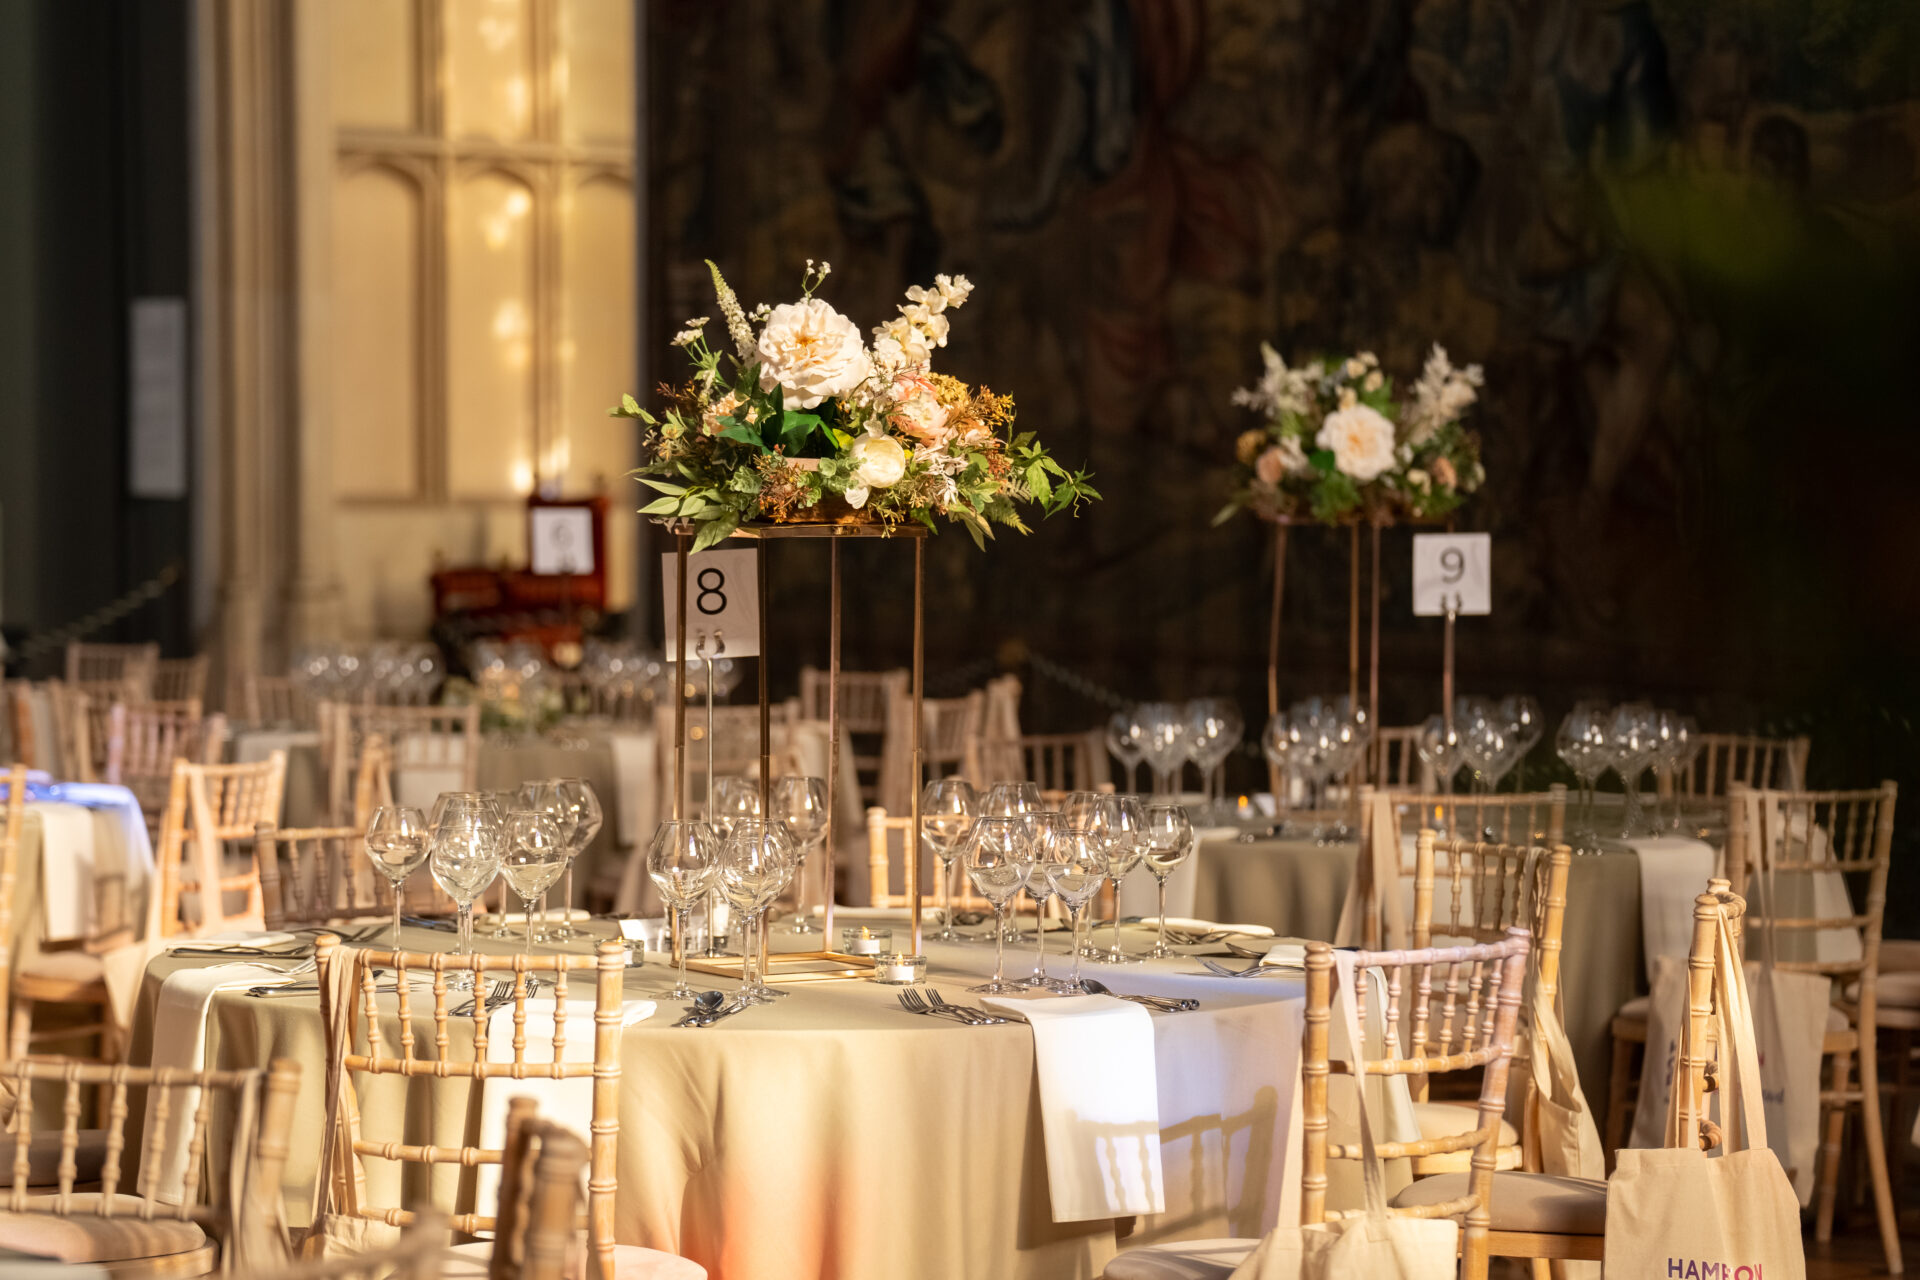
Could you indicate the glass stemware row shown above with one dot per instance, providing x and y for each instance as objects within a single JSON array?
[
  {"x": 1167, "y": 736},
  {"x": 1629, "y": 739}
]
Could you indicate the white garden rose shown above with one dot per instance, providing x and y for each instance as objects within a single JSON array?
[
  {"x": 1361, "y": 440},
  {"x": 812, "y": 352},
  {"x": 879, "y": 462}
]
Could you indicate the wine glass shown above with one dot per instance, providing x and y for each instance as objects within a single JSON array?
[
  {"x": 800, "y": 806},
  {"x": 1123, "y": 743},
  {"x": 1580, "y": 742},
  {"x": 1634, "y": 748},
  {"x": 1276, "y": 744},
  {"x": 1118, "y": 832},
  {"x": 584, "y": 818},
  {"x": 534, "y": 858},
  {"x": 755, "y": 864},
  {"x": 1165, "y": 745},
  {"x": 1048, "y": 828},
  {"x": 1169, "y": 841},
  {"x": 465, "y": 858},
  {"x": 947, "y": 810},
  {"x": 1214, "y": 729},
  {"x": 735, "y": 799},
  {"x": 998, "y": 858},
  {"x": 1012, "y": 800},
  {"x": 542, "y": 797},
  {"x": 1075, "y": 867},
  {"x": 1439, "y": 747},
  {"x": 683, "y": 861},
  {"x": 397, "y": 844},
  {"x": 1521, "y": 716},
  {"x": 1078, "y": 808}
]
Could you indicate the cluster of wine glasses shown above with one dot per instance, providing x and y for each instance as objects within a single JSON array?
[
  {"x": 1629, "y": 739},
  {"x": 1486, "y": 738},
  {"x": 1010, "y": 841},
  {"x": 745, "y": 853},
  {"x": 403, "y": 674},
  {"x": 528, "y": 837},
  {"x": 1169, "y": 735},
  {"x": 1318, "y": 740}
]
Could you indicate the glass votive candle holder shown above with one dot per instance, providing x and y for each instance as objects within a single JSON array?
[
  {"x": 899, "y": 968},
  {"x": 859, "y": 940}
]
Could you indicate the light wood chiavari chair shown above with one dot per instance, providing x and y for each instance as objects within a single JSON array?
[
  {"x": 317, "y": 875},
  {"x": 277, "y": 702},
  {"x": 1059, "y": 762},
  {"x": 1727, "y": 760},
  {"x": 417, "y": 738},
  {"x": 132, "y": 665},
  {"x": 137, "y": 1232},
  {"x": 209, "y": 808},
  {"x": 16, "y": 817},
  {"x": 180, "y": 679},
  {"x": 455, "y": 1055},
  {"x": 1522, "y": 817},
  {"x": 1456, "y": 1008},
  {"x": 865, "y": 698},
  {"x": 949, "y": 730},
  {"x": 1399, "y": 766},
  {"x": 143, "y": 741}
]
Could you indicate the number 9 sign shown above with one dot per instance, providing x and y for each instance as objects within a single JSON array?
[
  {"x": 723, "y": 602},
  {"x": 1452, "y": 569}
]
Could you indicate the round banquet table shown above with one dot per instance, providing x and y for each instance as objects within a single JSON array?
[{"x": 832, "y": 1134}]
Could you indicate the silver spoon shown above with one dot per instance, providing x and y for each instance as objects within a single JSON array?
[{"x": 705, "y": 1005}]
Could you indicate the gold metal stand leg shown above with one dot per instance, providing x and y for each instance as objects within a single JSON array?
[
  {"x": 919, "y": 667},
  {"x": 833, "y": 735}
]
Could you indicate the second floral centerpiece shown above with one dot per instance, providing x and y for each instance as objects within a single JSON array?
[
  {"x": 1336, "y": 444},
  {"x": 796, "y": 417}
]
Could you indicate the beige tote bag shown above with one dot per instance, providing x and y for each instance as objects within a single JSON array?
[
  {"x": 1377, "y": 1245},
  {"x": 1675, "y": 1212}
]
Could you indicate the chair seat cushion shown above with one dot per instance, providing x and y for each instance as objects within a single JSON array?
[
  {"x": 1446, "y": 1119},
  {"x": 1899, "y": 955},
  {"x": 1636, "y": 1010},
  {"x": 85, "y": 1237},
  {"x": 1181, "y": 1260},
  {"x": 63, "y": 966},
  {"x": 630, "y": 1262},
  {"x": 1899, "y": 990},
  {"x": 1541, "y": 1202},
  {"x": 43, "y": 1158}
]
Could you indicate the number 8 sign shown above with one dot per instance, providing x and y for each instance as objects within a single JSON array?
[
  {"x": 723, "y": 602},
  {"x": 1452, "y": 568}
]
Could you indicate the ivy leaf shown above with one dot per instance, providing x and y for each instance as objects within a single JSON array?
[
  {"x": 714, "y": 530},
  {"x": 742, "y": 432},
  {"x": 1038, "y": 482}
]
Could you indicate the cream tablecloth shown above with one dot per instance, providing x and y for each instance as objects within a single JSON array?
[{"x": 833, "y": 1135}]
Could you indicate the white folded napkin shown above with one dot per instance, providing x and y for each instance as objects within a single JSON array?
[
  {"x": 567, "y": 1102},
  {"x": 180, "y": 1040},
  {"x": 1674, "y": 871},
  {"x": 66, "y": 870},
  {"x": 1286, "y": 955},
  {"x": 633, "y": 781},
  {"x": 1215, "y": 926},
  {"x": 1099, "y": 1104}
]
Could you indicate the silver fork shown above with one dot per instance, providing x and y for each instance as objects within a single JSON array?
[
  {"x": 1253, "y": 971},
  {"x": 913, "y": 1002},
  {"x": 980, "y": 1017},
  {"x": 501, "y": 993}
]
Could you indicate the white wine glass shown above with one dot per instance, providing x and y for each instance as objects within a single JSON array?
[
  {"x": 534, "y": 858},
  {"x": 1118, "y": 832},
  {"x": 1169, "y": 841},
  {"x": 397, "y": 845},
  {"x": 800, "y": 806},
  {"x": 1076, "y": 867},
  {"x": 464, "y": 860},
  {"x": 948, "y": 807},
  {"x": 755, "y": 864},
  {"x": 584, "y": 818},
  {"x": 998, "y": 857},
  {"x": 683, "y": 863},
  {"x": 1048, "y": 828}
]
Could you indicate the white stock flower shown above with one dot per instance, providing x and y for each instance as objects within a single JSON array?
[
  {"x": 812, "y": 352},
  {"x": 879, "y": 461},
  {"x": 1361, "y": 440},
  {"x": 1442, "y": 395},
  {"x": 1279, "y": 390}
]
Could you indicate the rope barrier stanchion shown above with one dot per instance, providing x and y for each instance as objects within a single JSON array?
[{"x": 106, "y": 615}]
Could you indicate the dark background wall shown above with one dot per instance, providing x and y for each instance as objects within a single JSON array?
[
  {"x": 95, "y": 210},
  {"x": 1681, "y": 235}
]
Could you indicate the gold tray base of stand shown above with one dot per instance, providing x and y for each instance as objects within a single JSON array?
[{"x": 791, "y": 966}]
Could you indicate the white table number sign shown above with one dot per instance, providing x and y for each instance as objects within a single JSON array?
[
  {"x": 1452, "y": 569},
  {"x": 723, "y": 600},
  {"x": 562, "y": 539}
]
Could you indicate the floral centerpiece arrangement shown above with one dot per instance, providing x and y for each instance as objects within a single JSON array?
[
  {"x": 799, "y": 418},
  {"x": 1336, "y": 443}
]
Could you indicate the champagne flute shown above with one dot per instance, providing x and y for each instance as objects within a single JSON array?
[
  {"x": 755, "y": 865},
  {"x": 1117, "y": 832},
  {"x": 683, "y": 861},
  {"x": 999, "y": 855},
  {"x": 1169, "y": 841},
  {"x": 584, "y": 818},
  {"x": 397, "y": 844},
  {"x": 947, "y": 810},
  {"x": 1076, "y": 867},
  {"x": 800, "y": 805},
  {"x": 535, "y": 855},
  {"x": 464, "y": 861}
]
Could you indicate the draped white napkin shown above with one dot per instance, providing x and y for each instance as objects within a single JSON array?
[
  {"x": 66, "y": 871},
  {"x": 180, "y": 1038},
  {"x": 1099, "y": 1105},
  {"x": 567, "y": 1102},
  {"x": 1674, "y": 870}
]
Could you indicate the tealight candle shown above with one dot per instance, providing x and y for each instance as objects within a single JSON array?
[
  {"x": 899, "y": 968},
  {"x": 859, "y": 940}
]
